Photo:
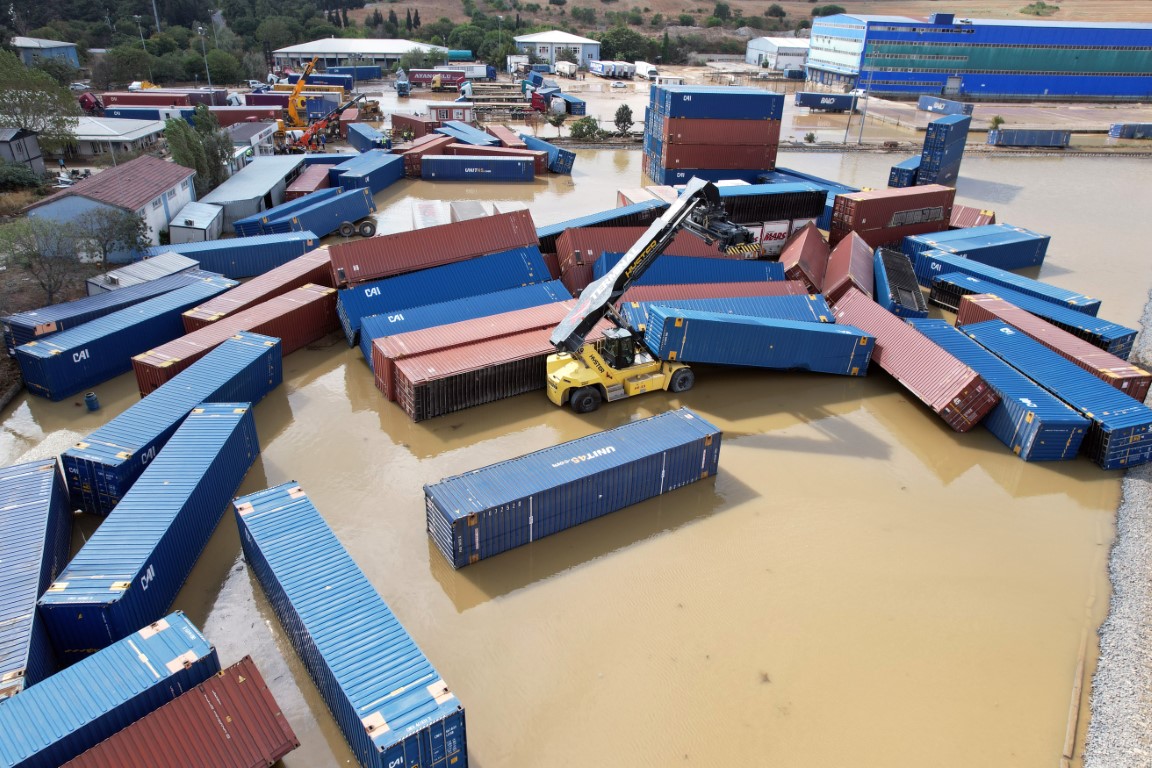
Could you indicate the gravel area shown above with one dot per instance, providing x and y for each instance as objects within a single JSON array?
[{"x": 1120, "y": 729}]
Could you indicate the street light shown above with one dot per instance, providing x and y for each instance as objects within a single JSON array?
[
  {"x": 200, "y": 29},
  {"x": 445, "y": 41},
  {"x": 212, "y": 21},
  {"x": 147, "y": 58}
]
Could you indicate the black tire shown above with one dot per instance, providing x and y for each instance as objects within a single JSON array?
[
  {"x": 585, "y": 400},
  {"x": 346, "y": 229},
  {"x": 682, "y": 380},
  {"x": 366, "y": 228}
]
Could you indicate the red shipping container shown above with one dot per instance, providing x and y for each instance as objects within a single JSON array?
[
  {"x": 760, "y": 157},
  {"x": 954, "y": 391},
  {"x": 350, "y": 115},
  {"x": 1117, "y": 372},
  {"x": 231, "y": 719},
  {"x": 539, "y": 158},
  {"x": 416, "y": 126},
  {"x": 713, "y": 290},
  {"x": 312, "y": 178},
  {"x": 372, "y": 258},
  {"x": 227, "y": 116},
  {"x": 887, "y": 216},
  {"x": 966, "y": 216},
  {"x": 553, "y": 265},
  {"x": 297, "y": 318},
  {"x": 506, "y": 135},
  {"x": 805, "y": 257},
  {"x": 313, "y": 267},
  {"x": 145, "y": 99},
  {"x": 685, "y": 130},
  {"x": 583, "y": 245},
  {"x": 850, "y": 264},
  {"x": 386, "y": 350},
  {"x": 432, "y": 144}
]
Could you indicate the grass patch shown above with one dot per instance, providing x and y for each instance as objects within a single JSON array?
[{"x": 1040, "y": 8}]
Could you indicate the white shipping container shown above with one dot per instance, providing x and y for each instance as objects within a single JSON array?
[
  {"x": 772, "y": 236},
  {"x": 646, "y": 70}
]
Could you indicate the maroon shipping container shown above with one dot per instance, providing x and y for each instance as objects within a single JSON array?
[
  {"x": 506, "y": 135},
  {"x": 372, "y": 258},
  {"x": 756, "y": 157},
  {"x": 297, "y": 318},
  {"x": 805, "y": 257},
  {"x": 953, "y": 390},
  {"x": 267, "y": 99},
  {"x": 348, "y": 116},
  {"x": 232, "y": 115},
  {"x": 553, "y": 265},
  {"x": 1126, "y": 377},
  {"x": 312, "y": 178},
  {"x": 432, "y": 144},
  {"x": 539, "y": 158},
  {"x": 850, "y": 264},
  {"x": 967, "y": 216},
  {"x": 386, "y": 350},
  {"x": 147, "y": 98},
  {"x": 207, "y": 96},
  {"x": 685, "y": 130},
  {"x": 417, "y": 126},
  {"x": 312, "y": 267},
  {"x": 713, "y": 290},
  {"x": 887, "y": 216},
  {"x": 231, "y": 719},
  {"x": 449, "y": 380}
]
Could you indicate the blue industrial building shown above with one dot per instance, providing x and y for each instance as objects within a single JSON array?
[{"x": 982, "y": 59}]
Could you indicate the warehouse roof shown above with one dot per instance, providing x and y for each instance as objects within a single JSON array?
[
  {"x": 129, "y": 185},
  {"x": 254, "y": 180},
  {"x": 784, "y": 42},
  {"x": 114, "y": 128},
  {"x": 555, "y": 37},
  {"x": 39, "y": 42},
  {"x": 344, "y": 46}
]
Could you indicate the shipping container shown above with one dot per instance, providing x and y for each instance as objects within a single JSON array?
[
  {"x": 712, "y": 290},
  {"x": 539, "y": 159},
  {"x": 267, "y": 99},
  {"x": 727, "y": 132},
  {"x": 104, "y": 693},
  {"x": 297, "y": 318},
  {"x": 466, "y": 134},
  {"x": 364, "y": 137},
  {"x": 492, "y": 509},
  {"x": 250, "y": 226},
  {"x": 950, "y": 388},
  {"x": 997, "y": 245},
  {"x": 967, "y": 216},
  {"x": 433, "y": 144},
  {"x": 388, "y": 349},
  {"x": 407, "y": 127},
  {"x": 1130, "y": 379},
  {"x": 375, "y": 169},
  {"x": 346, "y": 213},
  {"x": 826, "y": 102},
  {"x": 152, "y": 97},
  {"x": 506, "y": 136},
  {"x": 805, "y": 257},
  {"x": 483, "y": 274},
  {"x": 477, "y": 168},
  {"x": 718, "y": 102},
  {"x": 903, "y": 173},
  {"x": 579, "y": 248},
  {"x": 102, "y": 467},
  {"x": 1028, "y": 419},
  {"x": 390, "y": 703},
  {"x": 941, "y": 106},
  {"x": 128, "y": 572},
  {"x": 1130, "y": 131},
  {"x": 1016, "y": 137},
  {"x": 634, "y": 195},
  {"x": 676, "y": 176},
  {"x": 887, "y": 216},
  {"x": 151, "y": 113},
  {"x": 347, "y": 117},
  {"x": 37, "y": 525},
  {"x": 163, "y": 264},
  {"x": 947, "y": 290},
  {"x": 357, "y": 72},
  {"x": 573, "y": 105},
  {"x": 559, "y": 160},
  {"x": 637, "y": 214},
  {"x": 77, "y": 359},
  {"x": 808, "y": 308},
  {"x": 437, "y": 79},
  {"x": 248, "y": 256},
  {"x": 443, "y": 313},
  {"x": 231, "y": 719},
  {"x": 758, "y": 203},
  {"x": 1121, "y": 432},
  {"x": 227, "y": 116},
  {"x": 896, "y": 287},
  {"x": 688, "y": 269},
  {"x": 312, "y": 267},
  {"x": 361, "y": 261},
  {"x": 714, "y": 156},
  {"x": 930, "y": 264},
  {"x": 311, "y": 179},
  {"x": 318, "y": 78},
  {"x": 849, "y": 265}
]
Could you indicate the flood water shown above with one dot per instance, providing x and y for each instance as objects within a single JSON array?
[{"x": 858, "y": 586}]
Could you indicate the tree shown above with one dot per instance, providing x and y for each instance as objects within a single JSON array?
[
  {"x": 566, "y": 54},
  {"x": 224, "y": 66},
  {"x": 392, "y": 18},
  {"x": 623, "y": 119},
  {"x": 46, "y": 250},
  {"x": 103, "y": 232},
  {"x": 776, "y": 11},
  {"x": 996, "y": 122},
  {"x": 827, "y": 10},
  {"x": 686, "y": 20},
  {"x": 623, "y": 44},
  {"x": 557, "y": 119},
  {"x": 722, "y": 11},
  {"x": 203, "y": 148},
  {"x": 408, "y": 20},
  {"x": 416, "y": 18},
  {"x": 59, "y": 70},
  {"x": 585, "y": 129},
  {"x": 34, "y": 101},
  {"x": 278, "y": 31}
]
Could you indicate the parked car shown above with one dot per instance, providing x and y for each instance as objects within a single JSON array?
[
  {"x": 618, "y": 84},
  {"x": 77, "y": 87}
]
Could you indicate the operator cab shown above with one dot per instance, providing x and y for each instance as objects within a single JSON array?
[{"x": 618, "y": 348}]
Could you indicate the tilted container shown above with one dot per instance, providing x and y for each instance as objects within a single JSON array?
[
  {"x": 805, "y": 257},
  {"x": 688, "y": 269},
  {"x": 887, "y": 216},
  {"x": 310, "y": 181},
  {"x": 539, "y": 159},
  {"x": 477, "y": 168},
  {"x": 758, "y": 203},
  {"x": 327, "y": 216},
  {"x": 637, "y": 214},
  {"x": 248, "y": 256},
  {"x": 999, "y": 245},
  {"x": 250, "y": 226},
  {"x": 849, "y": 265},
  {"x": 375, "y": 169},
  {"x": 466, "y": 134},
  {"x": 1018, "y": 137},
  {"x": 967, "y": 216},
  {"x": 807, "y": 308},
  {"x": 364, "y": 137},
  {"x": 896, "y": 287},
  {"x": 944, "y": 106},
  {"x": 904, "y": 173},
  {"x": 559, "y": 160},
  {"x": 390, "y": 703},
  {"x": 712, "y": 290}
]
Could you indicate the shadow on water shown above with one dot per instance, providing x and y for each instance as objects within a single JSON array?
[
  {"x": 541, "y": 560},
  {"x": 990, "y": 192},
  {"x": 273, "y": 415}
]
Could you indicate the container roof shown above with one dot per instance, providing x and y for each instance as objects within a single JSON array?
[
  {"x": 254, "y": 179},
  {"x": 129, "y": 185},
  {"x": 345, "y": 46},
  {"x": 555, "y": 36},
  {"x": 39, "y": 42},
  {"x": 198, "y": 215}
]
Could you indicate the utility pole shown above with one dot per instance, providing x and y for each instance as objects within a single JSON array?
[
  {"x": 156, "y": 15},
  {"x": 147, "y": 58},
  {"x": 203, "y": 50}
]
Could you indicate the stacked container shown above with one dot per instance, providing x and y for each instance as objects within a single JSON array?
[
  {"x": 427, "y": 146},
  {"x": 772, "y": 212},
  {"x": 943, "y": 150},
  {"x": 805, "y": 257},
  {"x": 703, "y": 130},
  {"x": 477, "y": 168},
  {"x": 689, "y": 269},
  {"x": 330, "y": 215},
  {"x": 998, "y": 245},
  {"x": 636, "y": 214},
  {"x": 539, "y": 158},
  {"x": 967, "y": 216},
  {"x": 655, "y": 293},
  {"x": 466, "y": 134},
  {"x": 887, "y": 216},
  {"x": 578, "y": 249},
  {"x": 376, "y": 169},
  {"x": 804, "y": 309},
  {"x": 849, "y": 265},
  {"x": 413, "y": 127}
]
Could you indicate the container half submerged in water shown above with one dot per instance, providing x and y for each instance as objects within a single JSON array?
[{"x": 496, "y": 508}]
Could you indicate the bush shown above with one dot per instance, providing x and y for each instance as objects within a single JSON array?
[
  {"x": 15, "y": 177},
  {"x": 557, "y": 2},
  {"x": 686, "y": 20},
  {"x": 12, "y": 203},
  {"x": 586, "y": 129}
]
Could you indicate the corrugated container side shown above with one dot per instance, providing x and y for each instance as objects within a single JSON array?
[
  {"x": 951, "y": 389},
  {"x": 998, "y": 245},
  {"x": 759, "y": 203},
  {"x": 506, "y": 136},
  {"x": 967, "y": 216},
  {"x": 249, "y": 256},
  {"x": 849, "y": 265},
  {"x": 467, "y": 133},
  {"x": 737, "y": 156},
  {"x": 391, "y": 704},
  {"x": 477, "y": 168},
  {"x": 887, "y": 216},
  {"x": 808, "y": 308},
  {"x": 102, "y": 467},
  {"x": 559, "y": 160},
  {"x": 129, "y": 570},
  {"x": 231, "y": 719},
  {"x": 251, "y": 226},
  {"x": 687, "y": 269},
  {"x": 327, "y": 216},
  {"x": 430, "y": 145},
  {"x": 1034, "y": 424},
  {"x": 311, "y": 179},
  {"x": 1124, "y": 376},
  {"x": 104, "y": 693},
  {"x": 718, "y": 102},
  {"x": 418, "y": 127},
  {"x": 386, "y": 255},
  {"x": 37, "y": 525},
  {"x": 713, "y": 290},
  {"x": 364, "y": 137},
  {"x": 539, "y": 159},
  {"x": 380, "y": 171},
  {"x": 805, "y": 257},
  {"x": 490, "y": 510},
  {"x": 896, "y": 287},
  {"x": 727, "y": 132},
  {"x": 637, "y": 214},
  {"x": 74, "y": 360}
]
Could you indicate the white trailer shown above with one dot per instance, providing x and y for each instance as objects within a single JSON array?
[
  {"x": 566, "y": 68},
  {"x": 646, "y": 70}
]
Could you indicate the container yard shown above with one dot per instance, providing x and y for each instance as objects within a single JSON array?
[{"x": 960, "y": 564}]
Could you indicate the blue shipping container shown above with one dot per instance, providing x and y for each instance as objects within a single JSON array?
[
  {"x": 373, "y": 327},
  {"x": 392, "y": 705},
  {"x": 809, "y": 308},
  {"x": 559, "y": 160},
  {"x": 998, "y": 245},
  {"x": 576, "y": 106},
  {"x": 483, "y": 274},
  {"x": 1130, "y": 131},
  {"x": 326, "y": 216},
  {"x": 1018, "y": 137},
  {"x": 1121, "y": 431},
  {"x": 490, "y": 510},
  {"x": 476, "y": 168},
  {"x": 247, "y": 256},
  {"x": 79, "y": 358},
  {"x": 364, "y": 137},
  {"x": 104, "y": 693},
  {"x": 376, "y": 169},
  {"x": 690, "y": 336},
  {"x": 358, "y": 72},
  {"x": 101, "y": 468},
  {"x": 896, "y": 287},
  {"x": 675, "y": 176},
  {"x": 670, "y": 270},
  {"x": 903, "y": 174},
  {"x": 254, "y": 225},
  {"x": 718, "y": 102},
  {"x": 944, "y": 106},
  {"x": 325, "y": 158},
  {"x": 826, "y": 102},
  {"x": 1028, "y": 419},
  {"x": 37, "y": 525},
  {"x": 317, "y": 78}
]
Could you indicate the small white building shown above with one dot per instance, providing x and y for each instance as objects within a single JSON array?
[
  {"x": 148, "y": 268},
  {"x": 195, "y": 223},
  {"x": 20, "y": 147},
  {"x": 100, "y": 135},
  {"x": 546, "y": 46},
  {"x": 777, "y": 53}
]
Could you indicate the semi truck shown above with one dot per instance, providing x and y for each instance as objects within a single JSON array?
[
  {"x": 473, "y": 71},
  {"x": 437, "y": 79},
  {"x": 646, "y": 70}
]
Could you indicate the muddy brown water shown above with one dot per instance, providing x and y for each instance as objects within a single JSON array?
[{"x": 859, "y": 585}]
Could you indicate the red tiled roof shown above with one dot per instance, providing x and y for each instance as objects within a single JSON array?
[{"x": 130, "y": 185}]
